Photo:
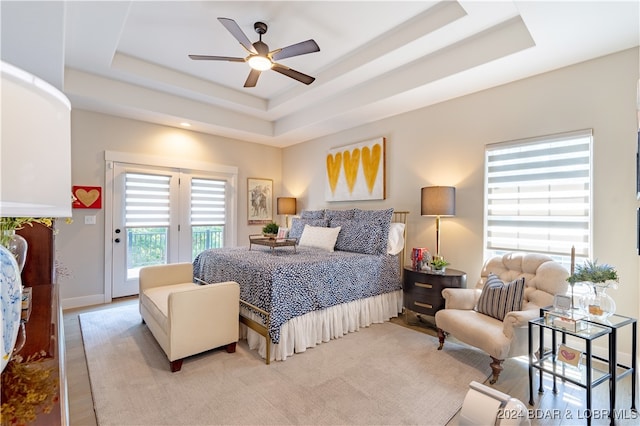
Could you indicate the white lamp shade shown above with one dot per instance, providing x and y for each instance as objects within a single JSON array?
[{"x": 35, "y": 149}]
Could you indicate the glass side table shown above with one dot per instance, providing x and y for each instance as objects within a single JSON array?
[
  {"x": 616, "y": 322},
  {"x": 546, "y": 362}
]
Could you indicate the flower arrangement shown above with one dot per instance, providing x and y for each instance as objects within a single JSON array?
[
  {"x": 9, "y": 224},
  {"x": 28, "y": 388},
  {"x": 602, "y": 275},
  {"x": 12, "y": 224}
]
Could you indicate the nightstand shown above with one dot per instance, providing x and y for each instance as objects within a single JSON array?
[{"x": 422, "y": 290}]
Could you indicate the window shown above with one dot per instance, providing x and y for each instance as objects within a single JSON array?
[
  {"x": 147, "y": 215},
  {"x": 208, "y": 210},
  {"x": 538, "y": 196}
]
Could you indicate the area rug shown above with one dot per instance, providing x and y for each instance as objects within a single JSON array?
[{"x": 382, "y": 374}]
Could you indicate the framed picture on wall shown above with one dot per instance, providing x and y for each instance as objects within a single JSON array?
[
  {"x": 356, "y": 172},
  {"x": 260, "y": 201}
]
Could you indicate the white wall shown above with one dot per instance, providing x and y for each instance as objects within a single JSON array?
[
  {"x": 444, "y": 145},
  {"x": 80, "y": 247}
]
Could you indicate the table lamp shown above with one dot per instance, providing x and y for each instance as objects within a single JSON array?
[
  {"x": 286, "y": 206},
  {"x": 438, "y": 201}
]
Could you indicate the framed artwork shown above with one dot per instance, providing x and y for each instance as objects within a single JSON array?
[
  {"x": 86, "y": 197},
  {"x": 260, "y": 201},
  {"x": 356, "y": 172},
  {"x": 282, "y": 233},
  {"x": 569, "y": 355}
]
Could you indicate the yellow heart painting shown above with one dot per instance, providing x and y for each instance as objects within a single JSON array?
[
  {"x": 356, "y": 172},
  {"x": 334, "y": 162},
  {"x": 351, "y": 161}
]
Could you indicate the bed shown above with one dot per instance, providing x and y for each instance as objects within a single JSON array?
[{"x": 294, "y": 300}]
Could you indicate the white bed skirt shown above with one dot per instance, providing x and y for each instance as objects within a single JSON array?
[{"x": 313, "y": 328}]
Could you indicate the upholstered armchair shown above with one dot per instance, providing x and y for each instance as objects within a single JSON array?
[
  {"x": 187, "y": 318},
  {"x": 506, "y": 337}
]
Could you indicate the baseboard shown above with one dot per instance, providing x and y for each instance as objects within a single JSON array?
[{"x": 81, "y": 302}]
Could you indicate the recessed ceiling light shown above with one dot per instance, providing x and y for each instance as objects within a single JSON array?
[{"x": 185, "y": 124}]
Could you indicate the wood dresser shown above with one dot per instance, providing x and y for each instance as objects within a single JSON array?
[{"x": 44, "y": 329}]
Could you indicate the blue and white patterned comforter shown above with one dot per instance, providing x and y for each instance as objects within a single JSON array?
[{"x": 289, "y": 284}]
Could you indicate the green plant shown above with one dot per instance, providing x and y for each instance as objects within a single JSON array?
[
  {"x": 590, "y": 271},
  {"x": 11, "y": 224},
  {"x": 270, "y": 228},
  {"x": 439, "y": 263}
]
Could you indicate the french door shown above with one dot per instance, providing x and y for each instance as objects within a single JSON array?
[{"x": 162, "y": 215}]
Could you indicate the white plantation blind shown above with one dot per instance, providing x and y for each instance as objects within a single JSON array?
[
  {"x": 538, "y": 195},
  {"x": 208, "y": 202},
  {"x": 146, "y": 200}
]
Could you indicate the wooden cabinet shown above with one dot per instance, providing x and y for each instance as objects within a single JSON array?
[
  {"x": 39, "y": 268},
  {"x": 422, "y": 290},
  {"x": 44, "y": 329}
]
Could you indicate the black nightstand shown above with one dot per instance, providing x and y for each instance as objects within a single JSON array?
[{"x": 422, "y": 290}]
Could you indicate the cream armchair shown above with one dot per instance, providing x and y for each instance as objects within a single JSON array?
[
  {"x": 186, "y": 318},
  {"x": 544, "y": 278}
]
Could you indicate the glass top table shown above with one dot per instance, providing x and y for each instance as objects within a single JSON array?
[{"x": 618, "y": 370}]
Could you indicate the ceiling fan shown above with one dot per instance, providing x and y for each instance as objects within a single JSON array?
[{"x": 260, "y": 58}]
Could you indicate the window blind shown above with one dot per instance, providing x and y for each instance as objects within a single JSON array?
[
  {"x": 538, "y": 195},
  {"x": 207, "y": 202},
  {"x": 146, "y": 200}
]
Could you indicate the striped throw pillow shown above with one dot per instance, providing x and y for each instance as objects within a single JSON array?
[{"x": 499, "y": 298}]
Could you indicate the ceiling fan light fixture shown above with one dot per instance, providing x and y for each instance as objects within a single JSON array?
[{"x": 260, "y": 63}]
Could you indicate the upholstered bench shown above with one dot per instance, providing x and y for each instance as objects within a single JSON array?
[{"x": 187, "y": 318}]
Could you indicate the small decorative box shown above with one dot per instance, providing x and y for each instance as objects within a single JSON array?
[
  {"x": 566, "y": 320},
  {"x": 420, "y": 259}
]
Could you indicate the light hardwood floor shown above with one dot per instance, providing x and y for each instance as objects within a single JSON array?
[{"x": 549, "y": 408}]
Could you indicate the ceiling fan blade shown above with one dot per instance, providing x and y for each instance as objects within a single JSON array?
[
  {"x": 239, "y": 35},
  {"x": 252, "y": 79},
  {"x": 215, "y": 58},
  {"x": 296, "y": 75},
  {"x": 297, "y": 49}
]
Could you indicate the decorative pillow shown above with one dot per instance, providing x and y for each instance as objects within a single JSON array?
[
  {"x": 319, "y": 237},
  {"x": 498, "y": 298},
  {"x": 395, "y": 242},
  {"x": 312, "y": 214},
  {"x": 353, "y": 236},
  {"x": 339, "y": 214},
  {"x": 377, "y": 224},
  {"x": 374, "y": 215},
  {"x": 298, "y": 224}
]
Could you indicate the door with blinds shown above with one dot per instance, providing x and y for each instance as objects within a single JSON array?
[{"x": 162, "y": 216}]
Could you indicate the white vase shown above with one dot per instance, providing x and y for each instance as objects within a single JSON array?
[{"x": 11, "y": 301}]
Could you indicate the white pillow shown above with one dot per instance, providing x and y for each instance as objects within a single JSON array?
[
  {"x": 319, "y": 237},
  {"x": 395, "y": 243}
]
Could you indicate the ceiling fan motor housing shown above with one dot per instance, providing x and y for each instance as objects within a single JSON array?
[{"x": 260, "y": 27}]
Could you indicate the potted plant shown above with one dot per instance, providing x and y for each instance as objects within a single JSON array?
[
  {"x": 599, "y": 277},
  {"x": 438, "y": 264},
  {"x": 270, "y": 230}
]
